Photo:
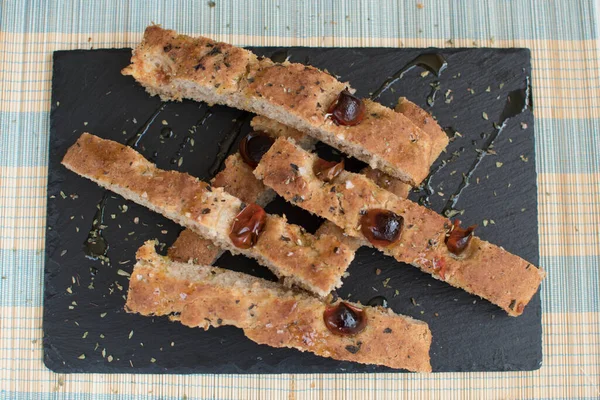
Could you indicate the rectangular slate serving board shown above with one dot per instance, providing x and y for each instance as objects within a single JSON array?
[{"x": 84, "y": 298}]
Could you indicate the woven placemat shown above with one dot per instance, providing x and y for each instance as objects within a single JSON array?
[{"x": 563, "y": 37}]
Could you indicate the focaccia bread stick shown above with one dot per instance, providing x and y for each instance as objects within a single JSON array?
[
  {"x": 177, "y": 66},
  {"x": 483, "y": 269},
  {"x": 270, "y": 314},
  {"x": 295, "y": 256}
]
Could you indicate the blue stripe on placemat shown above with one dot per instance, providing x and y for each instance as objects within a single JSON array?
[
  {"x": 567, "y": 146},
  {"x": 571, "y": 285},
  {"x": 24, "y": 139},
  {"x": 21, "y": 280},
  {"x": 472, "y": 19},
  {"x": 285, "y": 390}
]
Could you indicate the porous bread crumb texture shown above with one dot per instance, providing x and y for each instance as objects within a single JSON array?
[
  {"x": 270, "y": 314},
  {"x": 484, "y": 269},
  {"x": 177, "y": 66},
  {"x": 317, "y": 265}
]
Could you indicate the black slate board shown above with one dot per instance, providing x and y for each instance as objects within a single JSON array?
[{"x": 470, "y": 334}]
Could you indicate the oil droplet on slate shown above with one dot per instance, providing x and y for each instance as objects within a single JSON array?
[
  {"x": 95, "y": 246},
  {"x": 451, "y": 133},
  {"x": 279, "y": 56},
  {"x": 426, "y": 187},
  {"x": 177, "y": 157},
  {"x": 380, "y": 301},
  {"x": 135, "y": 139},
  {"x": 432, "y": 62},
  {"x": 166, "y": 133},
  {"x": 517, "y": 101}
]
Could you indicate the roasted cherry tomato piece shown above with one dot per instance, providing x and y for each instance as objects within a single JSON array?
[
  {"x": 347, "y": 109},
  {"x": 345, "y": 319},
  {"x": 247, "y": 226},
  {"x": 458, "y": 239},
  {"x": 381, "y": 227}
]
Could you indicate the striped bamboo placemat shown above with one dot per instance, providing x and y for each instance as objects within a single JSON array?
[{"x": 564, "y": 40}]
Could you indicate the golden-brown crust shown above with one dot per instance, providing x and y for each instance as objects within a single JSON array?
[
  {"x": 300, "y": 90},
  {"x": 191, "y": 247},
  {"x": 393, "y": 138},
  {"x": 425, "y": 121},
  {"x": 200, "y": 296},
  {"x": 276, "y": 129},
  {"x": 317, "y": 263},
  {"x": 238, "y": 180},
  {"x": 486, "y": 270},
  {"x": 329, "y": 228},
  {"x": 293, "y": 94}
]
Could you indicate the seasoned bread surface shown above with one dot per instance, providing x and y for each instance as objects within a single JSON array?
[
  {"x": 297, "y": 257},
  {"x": 485, "y": 270},
  {"x": 387, "y": 182},
  {"x": 191, "y": 247},
  {"x": 270, "y": 314},
  {"x": 425, "y": 121},
  {"x": 238, "y": 180},
  {"x": 176, "y": 66}
]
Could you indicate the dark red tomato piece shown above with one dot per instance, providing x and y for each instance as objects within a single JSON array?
[
  {"x": 458, "y": 239},
  {"x": 347, "y": 109},
  {"x": 247, "y": 226},
  {"x": 345, "y": 319},
  {"x": 381, "y": 227}
]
